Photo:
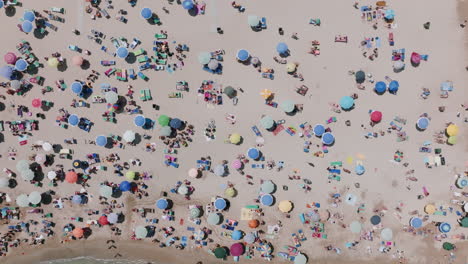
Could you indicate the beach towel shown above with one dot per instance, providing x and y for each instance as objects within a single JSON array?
[{"x": 377, "y": 42}]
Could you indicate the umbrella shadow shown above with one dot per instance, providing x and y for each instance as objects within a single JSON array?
[
  {"x": 46, "y": 199},
  {"x": 85, "y": 65},
  {"x": 131, "y": 58},
  {"x": 138, "y": 139},
  {"x": 62, "y": 66},
  {"x": 193, "y": 12},
  {"x": 2, "y": 107},
  {"x": 57, "y": 148},
  {"x": 38, "y": 34},
  {"x": 117, "y": 193},
  {"x": 10, "y": 11},
  {"x": 12, "y": 183},
  {"x": 120, "y": 218},
  {"x": 398, "y": 70},
  {"x": 87, "y": 232}
]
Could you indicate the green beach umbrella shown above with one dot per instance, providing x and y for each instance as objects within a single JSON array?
[
  {"x": 34, "y": 197},
  {"x": 141, "y": 232},
  {"x": 213, "y": 219},
  {"x": 220, "y": 253},
  {"x": 130, "y": 175},
  {"x": 360, "y": 77},
  {"x": 268, "y": 187},
  {"x": 267, "y": 122},
  {"x": 464, "y": 222},
  {"x": 230, "y": 92},
  {"x": 204, "y": 57},
  {"x": 27, "y": 175},
  {"x": 452, "y": 140},
  {"x": 288, "y": 106},
  {"x": 448, "y": 246},
  {"x": 163, "y": 120},
  {"x": 105, "y": 191},
  {"x": 165, "y": 131},
  {"x": 355, "y": 227},
  {"x": 22, "y": 200},
  {"x": 300, "y": 259}
]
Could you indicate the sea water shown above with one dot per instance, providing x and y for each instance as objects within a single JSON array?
[{"x": 90, "y": 260}]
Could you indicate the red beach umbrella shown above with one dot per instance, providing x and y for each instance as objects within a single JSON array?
[
  {"x": 36, "y": 102},
  {"x": 237, "y": 249},
  {"x": 103, "y": 220},
  {"x": 376, "y": 116},
  {"x": 71, "y": 177},
  {"x": 10, "y": 58}
]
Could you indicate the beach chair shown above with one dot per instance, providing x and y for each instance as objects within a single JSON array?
[
  {"x": 160, "y": 36},
  {"x": 343, "y": 39},
  {"x": 315, "y": 21},
  {"x": 391, "y": 42},
  {"x": 139, "y": 52},
  {"x": 268, "y": 75},
  {"x": 143, "y": 59},
  {"x": 142, "y": 76},
  {"x": 263, "y": 24},
  {"x": 278, "y": 129},
  {"x": 256, "y": 131}
]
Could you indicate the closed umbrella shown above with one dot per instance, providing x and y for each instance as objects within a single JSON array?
[
  {"x": 235, "y": 138},
  {"x": 10, "y": 58},
  {"x": 27, "y": 26},
  {"x": 182, "y": 190},
  {"x": 22, "y": 165},
  {"x": 219, "y": 170},
  {"x": 195, "y": 212},
  {"x": 175, "y": 123},
  {"x": 129, "y": 136},
  {"x": 291, "y": 67},
  {"x": 236, "y": 249},
  {"x": 300, "y": 259},
  {"x": 213, "y": 65},
  {"x": 141, "y": 232},
  {"x": 386, "y": 234},
  {"x": 77, "y": 60},
  {"x": 253, "y": 21},
  {"x": 213, "y": 219},
  {"x": 40, "y": 158},
  {"x": 267, "y": 200},
  {"x": 162, "y": 204},
  {"x": 78, "y": 232},
  {"x": 236, "y": 164},
  {"x": 122, "y": 52},
  {"x": 130, "y": 175},
  {"x": 267, "y": 187},
  {"x": 113, "y": 218},
  {"x": 416, "y": 222},
  {"x": 77, "y": 199},
  {"x": 77, "y": 87},
  {"x": 380, "y": 87},
  {"x": 204, "y": 57},
  {"x": 73, "y": 120},
  {"x": 22, "y": 200},
  {"x": 193, "y": 172},
  {"x": 242, "y": 55},
  {"x": 393, "y": 87},
  {"x": 21, "y": 65},
  {"x": 29, "y": 16},
  {"x": 230, "y": 92},
  {"x": 265, "y": 93},
  {"x": 376, "y": 116},
  {"x": 101, "y": 140},
  {"x": 375, "y": 220},
  {"x": 53, "y": 62},
  {"x": 422, "y": 123},
  {"x": 230, "y": 192},
  {"x": 139, "y": 121},
  {"x": 188, "y": 4},
  {"x": 220, "y": 204},
  {"x": 146, "y": 13},
  {"x": 288, "y": 106},
  {"x": 163, "y": 120},
  {"x": 253, "y": 153},
  {"x": 34, "y": 198},
  {"x": 236, "y": 235},
  {"x": 319, "y": 130},
  {"x": 6, "y": 72},
  {"x": 125, "y": 186},
  {"x": 452, "y": 130},
  {"x": 355, "y": 227},
  {"x": 285, "y": 206},
  {"x": 360, "y": 76},
  {"x": 282, "y": 48},
  {"x": 220, "y": 253},
  {"x": 249, "y": 238},
  {"x": 267, "y": 122},
  {"x": 36, "y": 102},
  {"x": 103, "y": 220},
  {"x": 346, "y": 102},
  {"x": 165, "y": 131},
  {"x": 71, "y": 177},
  {"x": 328, "y": 138},
  {"x": 4, "y": 182},
  {"x": 27, "y": 175},
  {"x": 105, "y": 191},
  {"x": 111, "y": 97}
]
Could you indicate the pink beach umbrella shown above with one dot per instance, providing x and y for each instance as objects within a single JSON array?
[
  {"x": 415, "y": 58},
  {"x": 236, "y": 164},
  {"x": 36, "y": 102},
  {"x": 10, "y": 58},
  {"x": 193, "y": 173},
  {"x": 237, "y": 249},
  {"x": 376, "y": 116},
  {"x": 77, "y": 60}
]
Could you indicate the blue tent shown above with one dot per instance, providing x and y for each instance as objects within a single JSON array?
[
  {"x": 125, "y": 186},
  {"x": 27, "y": 26},
  {"x": 188, "y": 4},
  {"x": 380, "y": 87},
  {"x": 393, "y": 87},
  {"x": 175, "y": 123},
  {"x": 146, "y": 13},
  {"x": 253, "y": 153},
  {"x": 243, "y": 55},
  {"x": 220, "y": 204},
  {"x": 162, "y": 204},
  {"x": 267, "y": 199},
  {"x": 319, "y": 130},
  {"x": 422, "y": 123},
  {"x": 77, "y": 199},
  {"x": 328, "y": 138},
  {"x": 101, "y": 141},
  {"x": 77, "y": 87},
  {"x": 236, "y": 235},
  {"x": 346, "y": 102},
  {"x": 122, "y": 52},
  {"x": 139, "y": 121},
  {"x": 282, "y": 48},
  {"x": 359, "y": 169},
  {"x": 416, "y": 222},
  {"x": 73, "y": 120},
  {"x": 29, "y": 16},
  {"x": 21, "y": 65},
  {"x": 6, "y": 72}
]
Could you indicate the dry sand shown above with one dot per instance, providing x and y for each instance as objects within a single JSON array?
[{"x": 325, "y": 75}]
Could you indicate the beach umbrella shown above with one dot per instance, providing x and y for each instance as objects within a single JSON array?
[
  {"x": 22, "y": 165},
  {"x": 176, "y": 123},
  {"x": 267, "y": 200},
  {"x": 236, "y": 249},
  {"x": 324, "y": 215},
  {"x": 36, "y": 102},
  {"x": 141, "y": 232},
  {"x": 76, "y": 164},
  {"x": 253, "y": 21},
  {"x": 122, "y": 52},
  {"x": 230, "y": 192},
  {"x": 213, "y": 219},
  {"x": 139, "y": 120},
  {"x": 422, "y": 123},
  {"x": 78, "y": 232},
  {"x": 300, "y": 259},
  {"x": 376, "y": 116},
  {"x": 146, "y": 13},
  {"x": 416, "y": 222},
  {"x": 380, "y": 87},
  {"x": 236, "y": 235},
  {"x": 130, "y": 175},
  {"x": 253, "y": 153},
  {"x": 21, "y": 65},
  {"x": 15, "y": 85},
  {"x": 193, "y": 172},
  {"x": 213, "y": 65},
  {"x": 219, "y": 170},
  {"x": 319, "y": 130},
  {"x": 125, "y": 186},
  {"x": 285, "y": 206},
  {"x": 111, "y": 97},
  {"x": 242, "y": 55},
  {"x": 255, "y": 60},
  {"x": 105, "y": 191},
  {"x": 235, "y": 138},
  {"x": 386, "y": 234},
  {"x": 129, "y": 136},
  {"x": 53, "y": 62},
  {"x": 259, "y": 140},
  {"x": 40, "y": 158},
  {"x": 77, "y": 87},
  {"x": 163, "y": 120},
  {"x": 22, "y": 200},
  {"x": 393, "y": 87},
  {"x": 265, "y": 93},
  {"x": 29, "y": 16},
  {"x": 452, "y": 140},
  {"x": 282, "y": 48},
  {"x": 77, "y": 60},
  {"x": 27, "y": 175},
  {"x": 71, "y": 177},
  {"x": 398, "y": 65},
  {"x": 291, "y": 67},
  {"x": 267, "y": 122},
  {"x": 165, "y": 131},
  {"x": 6, "y": 72},
  {"x": 4, "y": 182},
  {"x": 220, "y": 204},
  {"x": 249, "y": 238},
  {"x": 389, "y": 14},
  {"x": 254, "y": 223},
  {"x": 73, "y": 120},
  {"x": 359, "y": 169},
  {"x": 375, "y": 220},
  {"x": 76, "y": 199},
  {"x": 230, "y": 92},
  {"x": 448, "y": 246},
  {"x": 220, "y": 252},
  {"x": 204, "y": 57},
  {"x": 328, "y": 138},
  {"x": 452, "y": 130},
  {"x": 27, "y": 26},
  {"x": 10, "y": 58},
  {"x": 288, "y": 106},
  {"x": 183, "y": 190},
  {"x": 236, "y": 164},
  {"x": 199, "y": 235},
  {"x": 464, "y": 222},
  {"x": 267, "y": 187},
  {"x": 360, "y": 76},
  {"x": 429, "y": 209},
  {"x": 195, "y": 212},
  {"x": 355, "y": 227},
  {"x": 34, "y": 197},
  {"x": 101, "y": 140},
  {"x": 187, "y": 4},
  {"x": 51, "y": 175},
  {"x": 162, "y": 204},
  {"x": 113, "y": 218},
  {"x": 346, "y": 102},
  {"x": 445, "y": 227},
  {"x": 461, "y": 182},
  {"x": 103, "y": 220}
]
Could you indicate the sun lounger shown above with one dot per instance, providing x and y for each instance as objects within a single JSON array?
[
  {"x": 258, "y": 166},
  {"x": 139, "y": 52},
  {"x": 107, "y": 63},
  {"x": 268, "y": 75},
  {"x": 343, "y": 39},
  {"x": 256, "y": 131},
  {"x": 315, "y": 21},
  {"x": 391, "y": 42},
  {"x": 142, "y": 76},
  {"x": 160, "y": 36}
]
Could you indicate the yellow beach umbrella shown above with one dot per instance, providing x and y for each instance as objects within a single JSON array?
[
  {"x": 291, "y": 67},
  {"x": 452, "y": 140},
  {"x": 235, "y": 138},
  {"x": 265, "y": 93},
  {"x": 429, "y": 209},
  {"x": 230, "y": 192},
  {"x": 130, "y": 175},
  {"x": 452, "y": 130},
  {"x": 53, "y": 62},
  {"x": 285, "y": 206}
]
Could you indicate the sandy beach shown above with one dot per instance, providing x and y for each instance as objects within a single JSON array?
[{"x": 402, "y": 168}]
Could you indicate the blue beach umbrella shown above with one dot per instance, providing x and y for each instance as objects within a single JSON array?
[
  {"x": 253, "y": 153},
  {"x": 27, "y": 26},
  {"x": 236, "y": 235},
  {"x": 77, "y": 87},
  {"x": 389, "y": 14},
  {"x": 125, "y": 186},
  {"x": 146, "y": 13},
  {"x": 319, "y": 129},
  {"x": 346, "y": 102},
  {"x": 122, "y": 52},
  {"x": 359, "y": 169},
  {"x": 375, "y": 220},
  {"x": 29, "y": 16},
  {"x": 422, "y": 123},
  {"x": 266, "y": 199},
  {"x": 416, "y": 222},
  {"x": 380, "y": 87},
  {"x": 328, "y": 138},
  {"x": 220, "y": 204},
  {"x": 175, "y": 123},
  {"x": 73, "y": 120},
  {"x": 101, "y": 141},
  {"x": 393, "y": 87},
  {"x": 6, "y": 72},
  {"x": 162, "y": 204},
  {"x": 188, "y": 4},
  {"x": 139, "y": 121},
  {"x": 282, "y": 48},
  {"x": 21, "y": 65},
  {"x": 77, "y": 199},
  {"x": 243, "y": 55},
  {"x": 445, "y": 227}
]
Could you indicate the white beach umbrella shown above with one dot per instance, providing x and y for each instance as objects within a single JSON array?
[
  {"x": 183, "y": 189},
  {"x": 27, "y": 175},
  {"x": 22, "y": 165},
  {"x": 22, "y": 200},
  {"x": 4, "y": 182},
  {"x": 113, "y": 218},
  {"x": 34, "y": 197},
  {"x": 253, "y": 20},
  {"x": 51, "y": 175},
  {"x": 105, "y": 191},
  {"x": 129, "y": 136},
  {"x": 141, "y": 232},
  {"x": 111, "y": 97},
  {"x": 46, "y": 146},
  {"x": 40, "y": 158},
  {"x": 386, "y": 234}
]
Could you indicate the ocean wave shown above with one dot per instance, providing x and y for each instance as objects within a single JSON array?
[{"x": 91, "y": 260}]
